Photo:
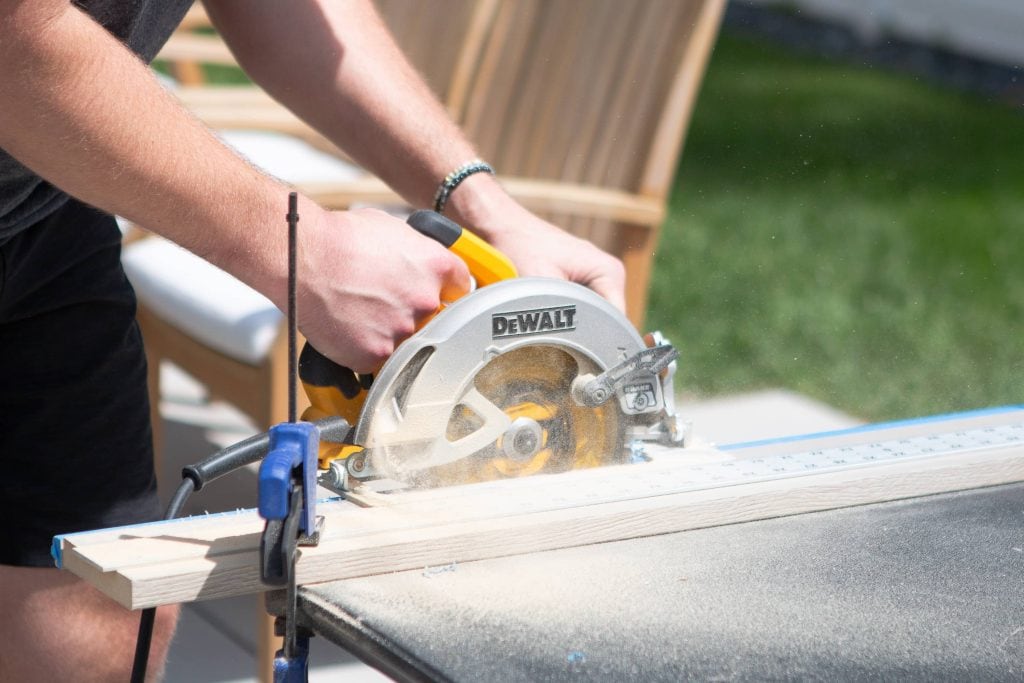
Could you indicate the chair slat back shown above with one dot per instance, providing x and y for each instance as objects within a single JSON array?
[
  {"x": 576, "y": 91},
  {"x": 594, "y": 93}
]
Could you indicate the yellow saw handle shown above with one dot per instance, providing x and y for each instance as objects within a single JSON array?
[
  {"x": 486, "y": 264},
  {"x": 336, "y": 390}
]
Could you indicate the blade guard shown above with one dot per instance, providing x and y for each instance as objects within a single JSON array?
[{"x": 409, "y": 406}]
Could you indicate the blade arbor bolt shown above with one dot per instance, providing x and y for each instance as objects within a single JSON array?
[{"x": 522, "y": 439}]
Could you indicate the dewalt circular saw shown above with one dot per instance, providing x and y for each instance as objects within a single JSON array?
[{"x": 522, "y": 376}]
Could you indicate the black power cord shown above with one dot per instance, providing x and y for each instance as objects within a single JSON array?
[{"x": 148, "y": 619}]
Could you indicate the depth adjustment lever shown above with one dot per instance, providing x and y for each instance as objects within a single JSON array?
[{"x": 635, "y": 380}]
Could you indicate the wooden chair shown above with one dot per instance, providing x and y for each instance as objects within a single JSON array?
[{"x": 583, "y": 110}]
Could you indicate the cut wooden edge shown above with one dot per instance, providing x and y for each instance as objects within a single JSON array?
[
  {"x": 666, "y": 459},
  {"x": 197, "y": 525}
]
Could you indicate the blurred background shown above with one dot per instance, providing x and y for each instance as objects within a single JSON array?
[{"x": 848, "y": 217}]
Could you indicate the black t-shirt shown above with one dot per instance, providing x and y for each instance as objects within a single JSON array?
[{"x": 144, "y": 26}]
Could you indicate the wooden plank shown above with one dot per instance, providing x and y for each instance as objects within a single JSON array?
[{"x": 217, "y": 556}]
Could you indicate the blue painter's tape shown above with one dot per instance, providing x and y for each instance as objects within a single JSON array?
[
  {"x": 877, "y": 426},
  {"x": 55, "y": 552}
]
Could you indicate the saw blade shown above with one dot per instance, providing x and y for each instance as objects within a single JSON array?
[
  {"x": 547, "y": 430},
  {"x": 485, "y": 389}
]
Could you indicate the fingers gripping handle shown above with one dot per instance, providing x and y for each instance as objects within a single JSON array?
[{"x": 335, "y": 390}]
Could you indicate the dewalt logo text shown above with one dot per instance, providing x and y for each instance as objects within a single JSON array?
[{"x": 535, "y": 321}]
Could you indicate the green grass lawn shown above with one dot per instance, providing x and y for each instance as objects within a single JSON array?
[{"x": 848, "y": 233}]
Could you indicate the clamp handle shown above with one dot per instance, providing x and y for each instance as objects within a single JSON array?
[{"x": 292, "y": 459}]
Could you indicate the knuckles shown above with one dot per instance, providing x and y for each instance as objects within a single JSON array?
[{"x": 373, "y": 356}]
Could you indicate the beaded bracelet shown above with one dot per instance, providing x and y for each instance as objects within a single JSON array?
[{"x": 452, "y": 180}]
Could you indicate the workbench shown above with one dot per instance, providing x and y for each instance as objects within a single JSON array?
[
  {"x": 930, "y": 588},
  {"x": 890, "y": 551}
]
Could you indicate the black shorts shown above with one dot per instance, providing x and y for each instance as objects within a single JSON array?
[{"x": 76, "y": 447}]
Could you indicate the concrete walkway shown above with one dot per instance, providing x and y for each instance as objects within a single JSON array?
[{"x": 216, "y": 641}]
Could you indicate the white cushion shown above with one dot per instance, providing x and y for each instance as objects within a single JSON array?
[
  {"x": 290, "y": 159},
  {"x": 202, "y": 300}
]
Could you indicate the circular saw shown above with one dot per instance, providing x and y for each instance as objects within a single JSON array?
[{"x": 522, "y": 376}]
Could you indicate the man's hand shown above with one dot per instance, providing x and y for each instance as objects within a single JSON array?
[
  {"x": 540, "y": 249},
  {"x": 367, "y": 281},
  {"x": 535, "y": 246}
]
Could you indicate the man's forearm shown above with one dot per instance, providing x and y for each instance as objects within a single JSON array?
[
  {"x": 83, "y": 112},
  {"x": 335, "y": 65}
]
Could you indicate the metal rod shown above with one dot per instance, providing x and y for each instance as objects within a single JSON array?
[{"x": 293, "y": 229}]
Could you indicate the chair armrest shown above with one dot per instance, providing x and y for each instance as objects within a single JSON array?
[
  {"x": 587, "y": 201},
  {"x": 340, "y": 196},
  {"x": 246, "y": 107},
  {"x": 538, "y": 195}
]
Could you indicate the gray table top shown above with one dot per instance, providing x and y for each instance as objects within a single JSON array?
[{"x": 927, "y": 589}]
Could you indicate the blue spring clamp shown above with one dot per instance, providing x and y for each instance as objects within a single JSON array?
[
  {"x": 290, "y": 464},
  {"x": 287, "y": 500}
]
